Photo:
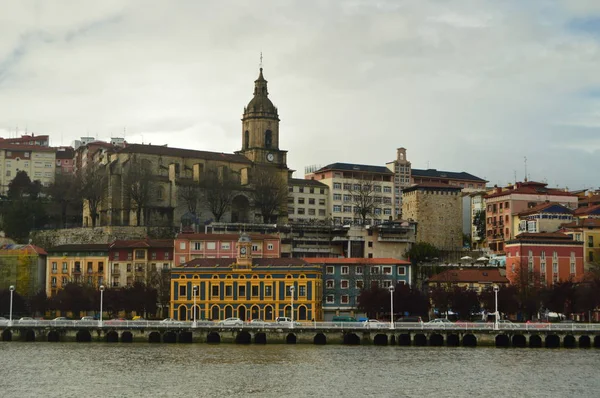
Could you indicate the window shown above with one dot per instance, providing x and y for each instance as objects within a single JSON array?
[
  {"x": 182, "y": 291},
  {"x": 182, "y": 259},
  {"x": 401, "y": 270},
  {"x": 116, "y": 256},
  {"x": 387, "y": 189},
  {"x": 197, "y": 245},
  {"x": 254, "y": 248},
  {"x": 54, "y": 266},
  {"x": 345, "y": 299},
  {"x": 269, "y": 246},
  {"x": 329, "y": 299},
  {"x": 345, "y": 270},
  {"x": 254, "y": 291},
  {"x": 300, "y": 201},
  {"x": 53, "y": 281},
  {"x": 211, "y": 245},
  {"x": 347, "y": 198},
  {"x": 228, "y": 290},
  {"x": 288, "y": 290},
  {"x": 321, "y": 212},
  {"x": 311, "y": 212},
  {"x": 347, "y": 209},
  {"x": 101, "y": 266},
  {"x": 140, "y": 254},
  {"x": 375, "y": 270},
  {"x": 301, "y": 189},
  {"x": 344, "y": 284},
  {"x": 387, "y": 284},
  {"x": 359, "y": 284},
  {"x": 337, "y": 196},
  {"x": 572, "y": 266},
  {"x": 225, "y": 246},
  {"x": 359, "y": 270},
  {"x": 311, "y": 201},
  {"x": 302, "y": 291},
  {"x": 241, "y": 291},
  {"x": 215, "y": 290},
  {"x": 182, "y": 245},
  {"x": 347, "y": 186},
  {"x": 301, "y": 210},
  {"x": 387, "y": 270},
  {"x": 337, "y": 208},
  {"x": 153, "y": 255},
  {"x": 329, "y": 270},
  {"x": 337, "y": 185},
  {"x": 329, "y": 284},
  {"x": 268, "y": 291},
  {"x": 322, "y": 202},
  {"x": 555, "y": 267},
  {"x": 64, "y": 280}
]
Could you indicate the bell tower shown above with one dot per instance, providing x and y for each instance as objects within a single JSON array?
[{"x": 260, "y": 128}]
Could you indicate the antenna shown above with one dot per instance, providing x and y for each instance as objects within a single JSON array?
[
  {"x": 428, "y": 164},
  {"x": 515, "y": 176},
  {"x": 261, "y": 64},
  {"x": 525, "y": 157}
]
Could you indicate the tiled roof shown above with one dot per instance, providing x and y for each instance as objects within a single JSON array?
[
  {"x": 550, "y": 238},
  {"x": 194, "y": 236},
  {"x": 23, "y": 147},
  {"x": 531, "y": 188},
  {"x": 356, "y": 167},
  {"x": 547, "y": 207},
  {"x": 305, "y": 182},
  {"x": 433, "y": 173},
  {"x": 223, "y": 263},
  {"x": 126, "y": 244},
  {"x": 357, "y": 261},
  {"x": 27, "y": 248},
  {"x": 469, "y": 276},
  {"x": 583, "y": 223},
  {"x": 582, "y": 211},
  {"x": 184, "y": 153},
  {"x": 84, "y": 247},
  {"x": 590, "y": 199}
]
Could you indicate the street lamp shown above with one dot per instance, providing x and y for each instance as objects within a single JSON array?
[
  {"x": 391, "y": 306},
  {"x": 101, "y": 299},
  {"x": 292, "y": 289},
  {"x": 194, "y": 293},
  {"x": 12, "y": 289},
  {"x": 496, "y": 288}
]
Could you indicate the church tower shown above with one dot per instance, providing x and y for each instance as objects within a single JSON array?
[{"x": 260, "y": 128}]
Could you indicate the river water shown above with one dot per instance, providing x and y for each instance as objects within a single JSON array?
[{"x": 227, "y": 370}]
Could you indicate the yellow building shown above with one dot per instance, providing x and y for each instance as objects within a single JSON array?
[
  {"x": 37, "y": 161},
  {"x": 246, "y": 287},
  {"x": 78, "y": 263},
  {"x": 586, "y": 228}
]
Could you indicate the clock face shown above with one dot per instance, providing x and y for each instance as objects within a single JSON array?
[
  {"x": 270, "y": 157},
  {"x": 243, "y": 250}
]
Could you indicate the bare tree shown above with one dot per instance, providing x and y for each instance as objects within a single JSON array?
[
  {"x": 92, "y": 182},
  {"x": 138, "y": 183},
  {"x": 270, "y": 192},
  {"x": 63, "y": 191},
  {"x": 219, "y": 187},
  {"x": 190, "y": 194},
  {"x": 363, "y": 198}
]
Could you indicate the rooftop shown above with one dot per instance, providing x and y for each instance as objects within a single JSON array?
[
  {"x": 547, "y": 207},
  {"x": 225, "y": 263},
  {"x": 357, "y": 261},
  {"x": 529, "y": 188},
  {"x": 356, "y": 168},
  {"x": 491, "y": 275},
  {"x": 307, "y": 182},
  {"x": 85, "y": 247},
  {"x": 183, "y": 153},
  {"x": 138, "y": 243},
  {"x": 451, "y": 175},
  {"x": 235, "y": 237}
]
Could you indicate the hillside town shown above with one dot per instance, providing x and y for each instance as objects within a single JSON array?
[{"x": 184, "y": 233}]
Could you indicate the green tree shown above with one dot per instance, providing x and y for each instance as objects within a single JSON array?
[
  {"x": 419, "y": 253},
  {"x": 479, "y": 224}
]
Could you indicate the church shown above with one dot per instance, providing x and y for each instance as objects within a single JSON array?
[
  {"x": 174, "y": 174},
  {"x": 246, "y": 287}
]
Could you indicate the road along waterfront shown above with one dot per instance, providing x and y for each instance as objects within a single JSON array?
[{"x": 205, "y": 370}]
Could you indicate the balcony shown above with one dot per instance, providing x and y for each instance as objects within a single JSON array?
[
  {"x": 54, "y": 271},
  {"x": 90, "y": 271},
  {"x": 76, "y": 271},
  {"x": 116, "y": 271},
  {"x": 394, "y": 239}
]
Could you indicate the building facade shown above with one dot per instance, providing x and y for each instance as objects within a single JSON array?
[
  {"x": 586, "y": 230},
  {"x": 192, "y": 246},
  {"x": 505, "y": 203},
  {"x": 477, "y": 280},
  {"x": 141, "y": 261},
  {"x": 402, "y": 172},
  {"x": 344, "y": 278},
  {"x": 246, "y": 287},
  {"x": 307, "y": 202},
  {"x": 437, "y": 210},
  {"x": 65, "y": 160},
  {"x": 353, "y": 187},
  {"x": 24, "y": 267},
  {"x": 36, "y": 160},
  {"x": 543, "y": 258},
  {"x": 76, "y": 263},
  {"x": 545, "y": 217}
]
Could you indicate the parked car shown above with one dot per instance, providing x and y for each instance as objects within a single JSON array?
[
  {"x": 257, "y": 323},
  {"x": 412, "y": 319},
  {"x": 375, "y": 324},
  {"x": 285, "y": 321},
  {"x": 171, "y": 321},
  {"x": 3, "y": 321},
  {"x": 232, "y": 322},
  {"x": 137, "y": 318},
  {"x": 440, "y": 322},
  {"x": 26, "y": 320},
  {"x": 505, "y": 323},
  {"x": 87, "y": 319}
]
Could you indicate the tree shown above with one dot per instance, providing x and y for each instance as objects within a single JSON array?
[
  {"x": 417, "y": 254},
  {"x": 269, "y": 193},
  {"x": 219, "y": 187},
  {"x": 20, "y": 186},
  {"x": 374, "y": 301},
  {"x": 190, "y": 195},
  {"x": 75, "y": 298},
  {"x": 138, "y": 183},
  {"x": 39, "y": 303},
  {"x": 463, "y": 301},
  {"x": 440, "y": 298},
  {"x": 362, "y": 192},
  {"x": 479, "y": 224},
  {"x": 92, "y": 182},
  {"x": 18, "y": 220},
  {"x": 508, "y": 302},
  {"x": 63, "y": 191}
]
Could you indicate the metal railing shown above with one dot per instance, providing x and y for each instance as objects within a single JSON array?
[{"x": 306, "y": 325}]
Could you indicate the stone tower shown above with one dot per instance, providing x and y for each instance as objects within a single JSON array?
[{"x": 260, "y": 128}]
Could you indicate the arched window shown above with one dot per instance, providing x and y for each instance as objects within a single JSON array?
[
  {"x": 182, "y": 313},
  {"x": 246, "y": 139},
  {"x": 228, "y": 311},
  {"x": 268, "y": 313},
  {"x": 268, "y": 139},
  {"x": 214, "y": 313},
  {"x": 302, "y": 313},
  {"x": 160, "y": 193}
]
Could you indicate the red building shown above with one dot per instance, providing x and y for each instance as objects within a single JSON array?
[
  {"x": 544, "y": 258},
  {"x": 189, "y": 246},
  {"x": 138, "y": 260}
]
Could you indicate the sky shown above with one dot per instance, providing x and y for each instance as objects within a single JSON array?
[{"x": 492, "y": 88}]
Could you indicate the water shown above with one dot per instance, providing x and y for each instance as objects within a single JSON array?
[{"x": 202, "y": 370}]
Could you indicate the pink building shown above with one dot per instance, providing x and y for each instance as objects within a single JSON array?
[
  {"x": 543, "y": 258},
  {"x": 65, "y": 160},
  {"x": 505, "y": 203},
  {"x": 189, "y": 246}
]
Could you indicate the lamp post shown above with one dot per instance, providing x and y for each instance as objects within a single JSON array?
[
  {"x": 496, "y": 288},
  {"x": 391, "y": 306},
  {"x": 194, "y": 293},
  {"x": 12, "y": 289},
  {"x": 292, "y": 289},
  {"x": 101, "y": 299}
]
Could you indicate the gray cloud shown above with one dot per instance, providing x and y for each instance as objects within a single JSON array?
[{"x": 464, "y": 85}]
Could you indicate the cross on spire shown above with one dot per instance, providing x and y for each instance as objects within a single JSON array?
[{"x": 260, "y": 65}]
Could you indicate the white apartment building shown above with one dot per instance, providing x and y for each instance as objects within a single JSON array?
[
  {"x": 349, "y": 184},
  {"x": 37, "y": 161},
  {"x": 307, "y": 201}
]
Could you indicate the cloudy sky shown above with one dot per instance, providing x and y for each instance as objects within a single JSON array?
[{"x": 464, "y": 85}]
